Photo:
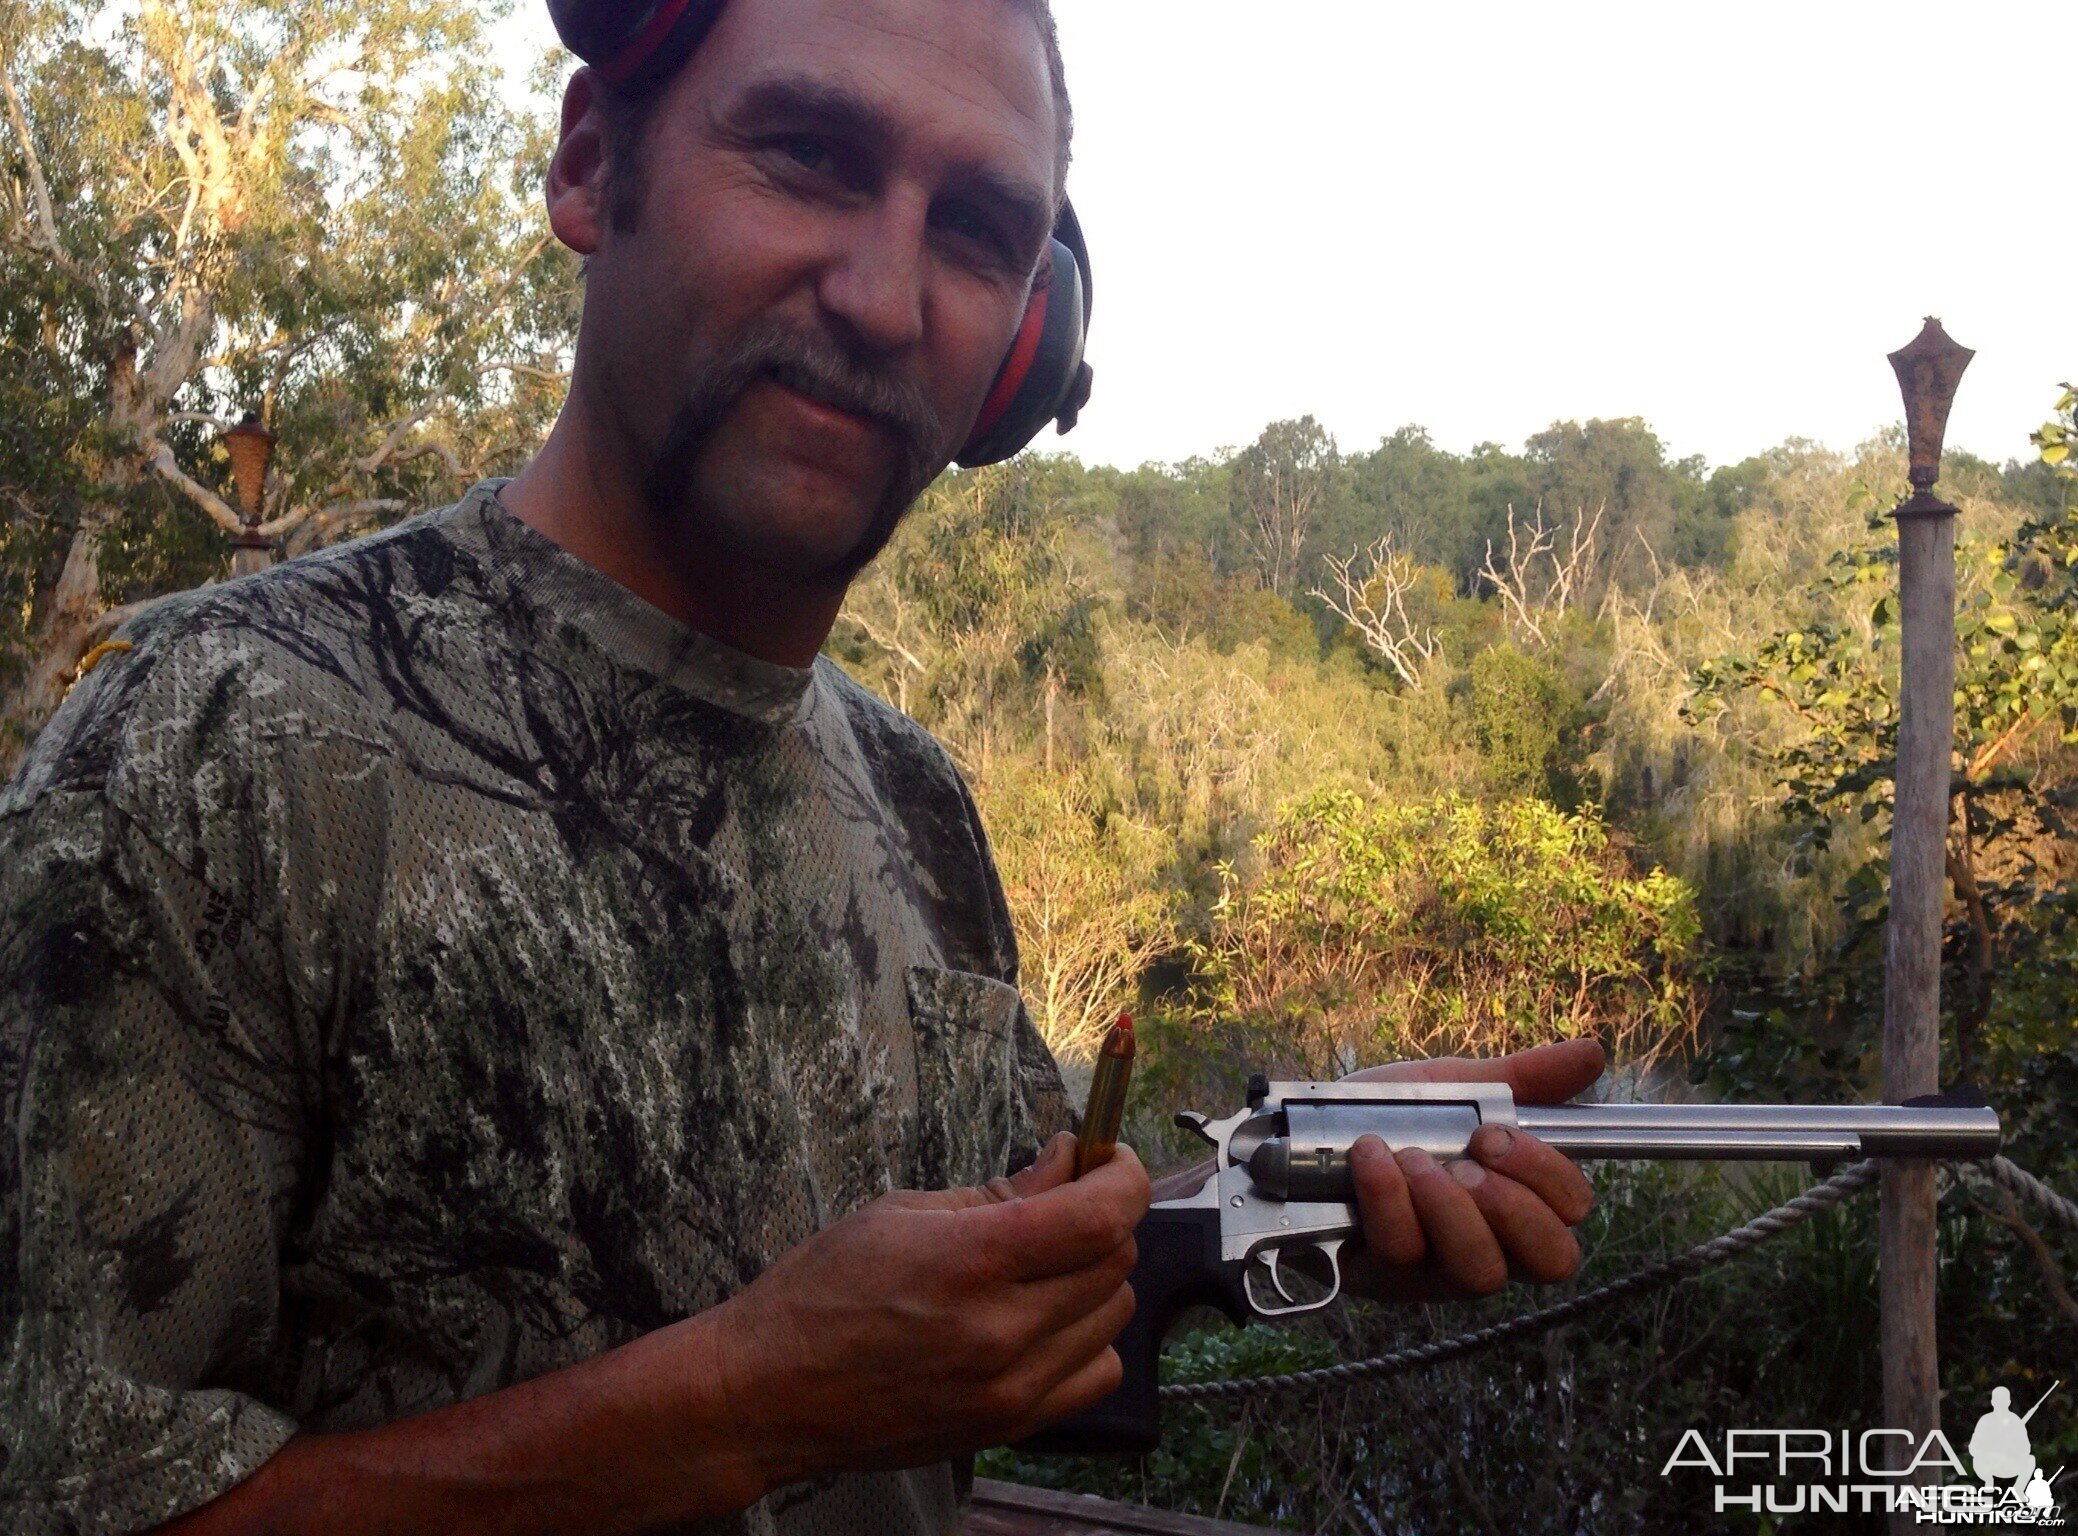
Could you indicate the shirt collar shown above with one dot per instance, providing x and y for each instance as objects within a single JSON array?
[{"x": 626, "y": 626}]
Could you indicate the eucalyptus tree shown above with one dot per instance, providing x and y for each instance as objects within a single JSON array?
[
  {"x": 1280, "y": 484},
  {"x": 324, "y": 212}
]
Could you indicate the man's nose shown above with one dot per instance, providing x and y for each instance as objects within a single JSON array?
[{"x": 874, "y": 287}]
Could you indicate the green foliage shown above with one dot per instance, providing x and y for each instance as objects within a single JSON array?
[
  {"x": 1085, "y": 880},
  {"x": 1371, "y": 929},
  {"x": 2057, "y": 438},
  {"x": 1521, "y": 708}
]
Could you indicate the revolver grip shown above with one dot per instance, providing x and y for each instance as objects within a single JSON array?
[{"x": 1178, "y": 1267}]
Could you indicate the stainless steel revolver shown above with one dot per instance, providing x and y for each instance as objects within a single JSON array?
[{"x": 1281, "y": 1188}]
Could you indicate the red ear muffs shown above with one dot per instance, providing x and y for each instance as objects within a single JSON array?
[
  {"x": 1043, "y": 377},
  {"x": 633, "y": 44}
]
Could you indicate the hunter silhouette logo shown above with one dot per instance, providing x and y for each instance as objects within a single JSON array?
[{"x": 1999, "y": 1448}]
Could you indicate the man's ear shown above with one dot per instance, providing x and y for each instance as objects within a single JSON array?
[{"x": 577, "y": 170}]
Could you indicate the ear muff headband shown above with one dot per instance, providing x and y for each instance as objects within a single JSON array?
[
  {"x": 1043, "y": 377},
  {"x": 633, "y": 43}
]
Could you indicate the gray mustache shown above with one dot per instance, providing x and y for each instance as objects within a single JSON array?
[{"x": 824, "y": 373}]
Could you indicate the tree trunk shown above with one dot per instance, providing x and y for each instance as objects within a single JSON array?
[
  {"x": 1975, "y": 1006},
  {"x": 1052, "y": 688},
  {"x": 72, "y": 622}
]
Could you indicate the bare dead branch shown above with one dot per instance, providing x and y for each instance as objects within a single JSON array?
[
  {"x": 547, "y": 375},
  {"x": 1539, "y": 582},
  {"x": 2007, "y": 1214},
  {"x": 882, "y": 638},
  {"x": 1372, "y": 600},
  {"x": 160, "y": 458}
]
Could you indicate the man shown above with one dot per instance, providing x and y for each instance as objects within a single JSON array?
[{"x": 498, "y": 1037}]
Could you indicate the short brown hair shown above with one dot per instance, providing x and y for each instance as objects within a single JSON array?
[{"x": 626, "y": 118}]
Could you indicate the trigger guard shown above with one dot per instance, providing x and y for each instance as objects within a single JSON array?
[{"x": 1268, "y": 1260}]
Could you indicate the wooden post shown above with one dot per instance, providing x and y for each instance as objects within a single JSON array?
[{"x": 1928, "y": 371}]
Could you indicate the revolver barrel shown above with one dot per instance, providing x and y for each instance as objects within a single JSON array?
[{"x": 1764, "y": 1132}]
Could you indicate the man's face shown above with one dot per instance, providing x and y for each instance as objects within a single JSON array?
[{"x": 844, "y": 202}]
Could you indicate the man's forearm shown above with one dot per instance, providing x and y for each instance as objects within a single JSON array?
[{"x": 634, "y": 1438}]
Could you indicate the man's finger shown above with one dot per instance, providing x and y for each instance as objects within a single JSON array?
[
  {"x": 1096, "y": 1380},
  {"x": 1061, "y": 1353},
  {"x": 1461, "y": 1245},
  {"x": 1067, "y": 1227},
  {"x": 1543, "y": 1074},
  {"x": 1536, "y": 1243},
  {"x": 1392, "y": 1232},
  {"x": 1057, "y": 1301},
  {"x": 1539, "y": 1167}
]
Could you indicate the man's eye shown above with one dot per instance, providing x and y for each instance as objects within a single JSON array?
[
  {"x": 807, "y": 151},
  {"x": 969, "y": 225}
]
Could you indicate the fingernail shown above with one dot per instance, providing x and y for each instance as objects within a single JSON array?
[
  {"x": 1468, "y": 1173},
  {"x": 1498, "y": 1140},
  {"x": 1415, "y": 1160},
  {"x": 1369, "y": 1145}
]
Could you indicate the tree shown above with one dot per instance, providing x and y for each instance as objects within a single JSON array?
[
  {"x": 1084, "y": 883},
  {"x": 1657, "y": 511},
  {"x": 1520, "y": 709},
  {"x": 1280, "y": 483},
  {"x": 2016, "y": 699},
  {"x": 322, "y": 211},
  {"x": 1426, "y": 498},
  {"x": 976, "y": 608}
]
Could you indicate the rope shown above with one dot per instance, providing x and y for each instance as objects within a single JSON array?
[
  {"x": 1820, "y": 1197},
  {"x": 2016, "y": 1178}
]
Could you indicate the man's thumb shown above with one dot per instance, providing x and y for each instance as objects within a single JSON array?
[{"x": 1054, "y": 1166}]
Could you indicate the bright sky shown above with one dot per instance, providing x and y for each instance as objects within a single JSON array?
[{"x": 1484, "y": 217}]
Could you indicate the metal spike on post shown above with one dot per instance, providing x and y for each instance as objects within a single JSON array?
[{"x": 1928, "y": 370}]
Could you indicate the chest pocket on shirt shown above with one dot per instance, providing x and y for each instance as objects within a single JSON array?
[{"x": 972, "y": 1116}]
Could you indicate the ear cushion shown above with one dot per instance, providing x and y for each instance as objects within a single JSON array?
[{"x": 1043, "y": 377}]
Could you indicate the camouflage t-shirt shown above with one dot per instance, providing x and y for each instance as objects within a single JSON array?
[{"x": 424, "y": 965}]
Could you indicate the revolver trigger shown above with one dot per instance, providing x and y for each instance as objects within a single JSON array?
[
  {"x": 1190, "y": 1120},
  {"x": 1277, "y": 1275}
]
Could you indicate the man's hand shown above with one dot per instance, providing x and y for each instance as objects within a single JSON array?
[
  {"x": 922, "y": 1326},
  {"x": 1435, "y": 1232},
  {"x": 931, "y": 1325}
]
